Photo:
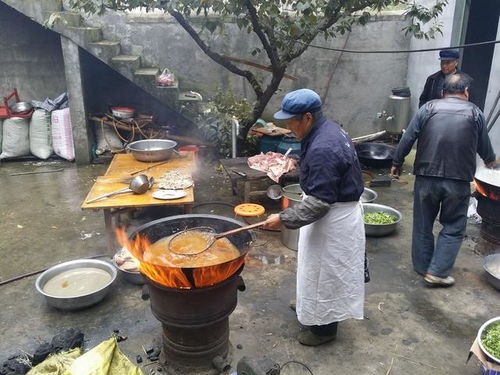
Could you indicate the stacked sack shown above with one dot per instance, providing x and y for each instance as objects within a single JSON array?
[{"x": 44, "y": 134}]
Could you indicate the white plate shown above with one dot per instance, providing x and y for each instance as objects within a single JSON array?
[{"x": 169, "y": 194}]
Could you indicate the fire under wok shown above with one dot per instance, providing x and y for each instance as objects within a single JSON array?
[{"x": 188, "y": 277}]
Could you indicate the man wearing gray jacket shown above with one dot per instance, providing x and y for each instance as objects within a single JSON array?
[{"x": 450, "y": 131}]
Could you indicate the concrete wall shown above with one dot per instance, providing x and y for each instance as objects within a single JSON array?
[
  {"x": 351, "y": 99},
  {"x": 423, "y": 64},
  {"x": 493, "y": 90},
  {"x": 30, "y": 57}
]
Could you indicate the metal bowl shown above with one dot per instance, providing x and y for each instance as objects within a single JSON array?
[
  {"x": 123, "y": 112},
  {"x": 483, "y": 328},
  {"x": 379, "y": 230},
  {"x": 490, "y": 263},
  {"x": 368, "y": 196},
  {"x": 21, "y": 107},
  {"x": 152, "y": 149},
  {"x": 132, "y": 277},
  {"x": 80, "y": 302}
]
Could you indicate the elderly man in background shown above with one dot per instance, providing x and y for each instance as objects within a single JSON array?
[
  {"x": 330, "y": 264},
  {"x": 433, "y": 88},
  {"x": 450, "y": 131}
]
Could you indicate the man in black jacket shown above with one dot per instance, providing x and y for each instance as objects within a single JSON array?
[
  {"x": 433, "y": 88},
  {"x": 450, "y": 131}
]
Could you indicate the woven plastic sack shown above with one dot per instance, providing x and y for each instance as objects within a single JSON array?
[
  {"x": 40, "y": 134},
  {"x": 56, "y": 364},
  {"x": 1, "y": 135},
  {"x": 15, "y": 140},
  {"x": 106, "y": 139},
  {"x": 62, "y": 134},
  {"x": 105, "y": 359}
]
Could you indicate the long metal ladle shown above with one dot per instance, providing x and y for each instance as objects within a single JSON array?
[
  {"x": 138, "y": 185},
  {"x": 211, "y": 237}
]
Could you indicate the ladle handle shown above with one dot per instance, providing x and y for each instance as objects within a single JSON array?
[
  {"x": 238, "y": 230},
  {"x": 124, "y": 190}
]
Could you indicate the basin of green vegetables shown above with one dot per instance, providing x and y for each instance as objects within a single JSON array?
[
  {"x": 489, "y": 339},
  {"x": 380, "y": 220}
]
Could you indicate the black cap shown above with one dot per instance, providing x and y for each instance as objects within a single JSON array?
[{"x": 448, "y": 54}]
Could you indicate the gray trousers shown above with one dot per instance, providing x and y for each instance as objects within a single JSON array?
[{"x": 449, "y": 198}]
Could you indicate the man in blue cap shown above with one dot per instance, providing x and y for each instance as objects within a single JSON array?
[
  {"x": 330, "y": 262},
  {"x": 433, "y": 88}
]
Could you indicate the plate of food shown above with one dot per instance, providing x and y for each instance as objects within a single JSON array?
[{"x": 169, "y": 194}]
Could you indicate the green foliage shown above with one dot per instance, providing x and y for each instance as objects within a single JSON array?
[{"x": 215, "y": 124}]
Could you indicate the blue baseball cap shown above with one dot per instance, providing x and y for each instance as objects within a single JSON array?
[
  {"x": 448, "y": 54},
  {"x": 298, "y": 102}
]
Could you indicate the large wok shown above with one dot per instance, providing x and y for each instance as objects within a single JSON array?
[
  {"x": 374, "y": 154},
  {"x": 158, "y": 229},
  {"x": 489, "y": 179}
]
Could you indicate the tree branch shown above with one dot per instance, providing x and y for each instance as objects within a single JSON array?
[
  {"x": 215, "y": 56},
  {"x": 333, "y": 16},
  {"x": 272, "y": 51}
]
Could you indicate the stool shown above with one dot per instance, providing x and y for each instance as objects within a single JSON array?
[{"x": 247, "y": 210}]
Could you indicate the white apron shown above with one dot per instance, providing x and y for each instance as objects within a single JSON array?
[{"x": 330, "y": 266}]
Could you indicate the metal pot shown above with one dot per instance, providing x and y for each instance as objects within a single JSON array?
[
  {"x": 292, "y": 194},
  {"x": 165, "y": 227},
  {"x": 150, "y": 150},
  {"x": 75, "y": 303},
  {"x": 21, "y": 107},
  {"x": 375, "y": 155}
]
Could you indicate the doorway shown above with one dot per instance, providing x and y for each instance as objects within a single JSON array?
[{"x": 481, "y": 25}]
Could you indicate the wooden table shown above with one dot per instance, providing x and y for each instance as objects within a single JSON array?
[
  {"x": 231, "y": 166},
  {"x": 115, "y": 178}
]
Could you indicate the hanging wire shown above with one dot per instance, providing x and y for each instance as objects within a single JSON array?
[{"x": 402, "y": 51}]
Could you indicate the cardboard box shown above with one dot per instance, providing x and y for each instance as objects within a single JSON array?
[{"x": 487, "y": 367}]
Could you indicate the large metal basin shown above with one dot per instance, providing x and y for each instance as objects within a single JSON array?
[
  {"x": 368, "y": 196},
  {"x": 80, "y": 302},
  {"x": 380, "y": 230},
  {"x": 480, "y": 333},
  {"x": 150, "y": 150},
  {"x": 491, "y": 264}
]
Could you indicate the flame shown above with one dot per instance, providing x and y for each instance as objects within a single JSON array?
[
  {"x": 211, "y": 275},
  {"x": 171, "y": 276},
  {"x": 168, "y": 276},
  {"x": 484, "y": 192}
]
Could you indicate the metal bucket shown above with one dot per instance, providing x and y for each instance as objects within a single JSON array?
[{"x": 291, "y": 196}]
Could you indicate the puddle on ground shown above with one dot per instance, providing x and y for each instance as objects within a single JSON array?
[{"x": 269, "y": 259}]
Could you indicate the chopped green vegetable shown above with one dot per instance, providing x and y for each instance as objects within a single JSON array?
[
  {"x": 379, "y": 218},
  {"x": 491, "y": 340}
]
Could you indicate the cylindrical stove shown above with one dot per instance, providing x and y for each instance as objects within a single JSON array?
[
  {"x": 193, "y": 304},
  {"x": 195, "y": 325}
]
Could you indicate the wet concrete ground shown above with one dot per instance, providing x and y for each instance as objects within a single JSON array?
[{"x": 408, "y": 327}]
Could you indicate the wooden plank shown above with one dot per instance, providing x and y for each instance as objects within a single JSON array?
[{"x": 119, "y": 170}]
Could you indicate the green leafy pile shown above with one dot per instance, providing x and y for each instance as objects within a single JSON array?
[
  {"x": 379, "y": 218},
  {"x": 491, "y": 340}
]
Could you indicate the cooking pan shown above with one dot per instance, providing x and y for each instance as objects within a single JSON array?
[
  {"x": 196, "y": 276},
  {"x": 374, "y": 154}
]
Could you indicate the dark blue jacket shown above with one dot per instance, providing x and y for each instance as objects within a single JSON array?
[{"x": 329, "y": 166}]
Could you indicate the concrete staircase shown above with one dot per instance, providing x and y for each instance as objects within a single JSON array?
[{"x": 71, "y": 25}]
